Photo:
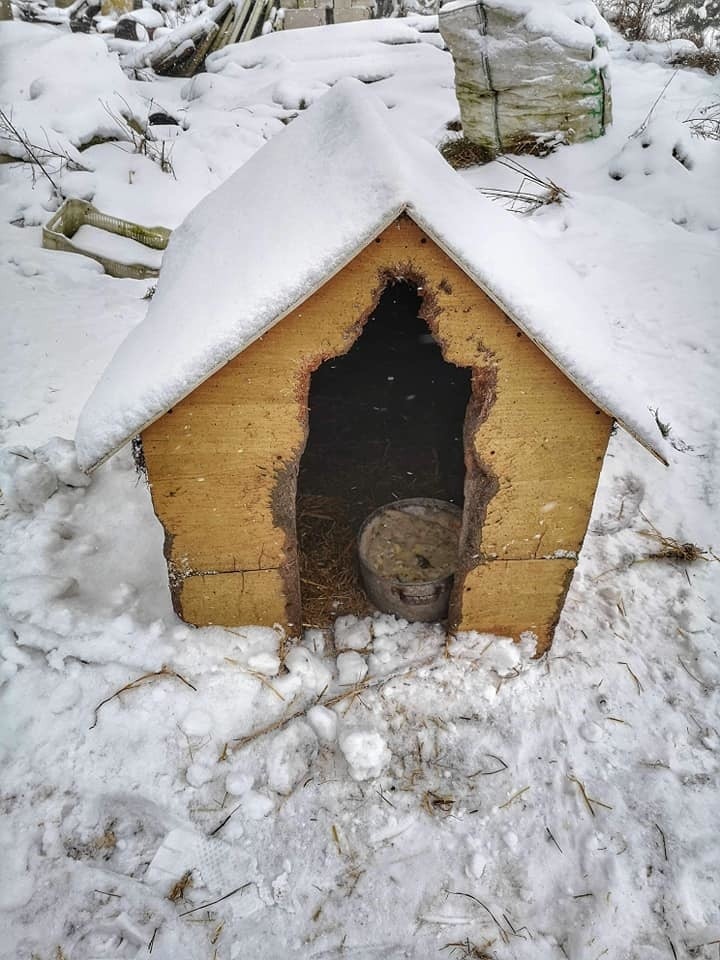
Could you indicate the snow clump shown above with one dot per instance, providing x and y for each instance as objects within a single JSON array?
[
  {"x": 309, "y": 669},
  {"x": 324, "y": 723},
  {"x": 289, "y": 757},
  {"x": 366, "y": 753},
  {"x": 26, "y": 482},
  {"x": 351, "y": 668},
  {"x": 351, "y": 633}
]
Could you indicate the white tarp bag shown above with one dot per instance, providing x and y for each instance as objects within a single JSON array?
[{"x": 529, "y": 73}]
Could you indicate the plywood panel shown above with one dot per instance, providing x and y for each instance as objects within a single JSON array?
[
  {"x": 534, "y": 442},
  {"x": 509, "y": 597},
  {"x": 233, "y": 599}
]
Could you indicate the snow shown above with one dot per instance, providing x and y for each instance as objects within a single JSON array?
[
  {"x": 351, "y": 668},
  {"x": 349, "y": 133},
  {"x": 479, "y": 796},
  {"x": 571, "y": 23},
  {"x": 366, "y": 753},
  {"x": 122, "y": 249}
]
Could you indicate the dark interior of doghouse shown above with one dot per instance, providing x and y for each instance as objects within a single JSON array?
[{"x": 386, "y": 423}]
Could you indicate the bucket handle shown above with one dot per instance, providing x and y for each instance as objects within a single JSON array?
[{"x": 414, "y": 600}]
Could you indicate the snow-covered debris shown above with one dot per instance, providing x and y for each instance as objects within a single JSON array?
[
  {"x": 365, "y": 751},
  {"x": 60, "y": 456},
  {"x": 60, "y": 89},
  {"x": 26, "y": 482},
  {"x": 289, "y": 755},
  {"x": 375, "y": 172}
]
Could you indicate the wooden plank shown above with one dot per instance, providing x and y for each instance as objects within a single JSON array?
[
  {"x": 511, "y": 597},
  {"x": 233, "y": 599}
]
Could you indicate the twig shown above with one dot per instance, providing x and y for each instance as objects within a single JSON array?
[
  {"x": 163, "y": 672},
  {"x": 433, "y": 662},
  {"x": 151, "y": 944},
  {"x": 650, "y": 112},
  {"x": 212, "y": 903}
]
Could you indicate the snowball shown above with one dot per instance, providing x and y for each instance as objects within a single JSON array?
[
  {"x": 351, "y": 668},
  {"x": 196, "y": 723},
  {"x": 257, "y": 805},
  {"x": 591, "y": 731},
  {"x": 314, "y": 674},
  {"x": 289, "y": 757},
  {"x": 366, "y": 753},
  {"x": 237, "y": 783},
  {"x": 25, "y": 482},
  {"x": 268, "y": 664},
  {"x": 59, "y": 454},
  {"x": 199, "y": 773},
  {"x": 386, "y": 624},
  {"x": 352, "y": 634},
  {"x": 323, "y": 722}
]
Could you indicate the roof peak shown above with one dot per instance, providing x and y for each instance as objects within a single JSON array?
[{"x": 295, "y": 214}]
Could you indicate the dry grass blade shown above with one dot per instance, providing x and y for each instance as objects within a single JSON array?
[
  {"x": 501, "y": 930},
  {"x": 639, "y": 686},
  {"x": 212, "y": 903},
  {"x": 437, "y": 803},
  {"x": 465, "y": 950},
  {"x": 514, "y": 797},
  {"x": 672, "y": 549},
  {"x": 489, "y": 773},
  {"x": 548, "y": 191},
  {"x": 134, "y": 684},
  {"x": 258, "y": 676},
  {"x": 177, "y": 891},
  {"x": 589, "y": 801}
]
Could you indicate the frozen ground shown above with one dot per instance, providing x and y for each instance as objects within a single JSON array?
[{"x": 443, "y": 801}]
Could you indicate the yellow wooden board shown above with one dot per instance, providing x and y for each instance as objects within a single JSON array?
[{"x": 509, "y": 597}]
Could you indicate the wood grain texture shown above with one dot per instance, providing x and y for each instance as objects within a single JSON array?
[
  {"x": 508, "y": 597},
  {"x": 223, "y": 463}
]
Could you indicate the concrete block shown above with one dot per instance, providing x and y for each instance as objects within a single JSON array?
[
  {"x": 296, "y": 19},
  {"x": 351, "y": 14}
]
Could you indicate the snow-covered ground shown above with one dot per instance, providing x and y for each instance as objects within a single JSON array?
[{"x": 459, "y": 795}]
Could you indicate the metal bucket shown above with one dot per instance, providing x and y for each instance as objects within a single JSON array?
[{"x": 423, "y": 601}]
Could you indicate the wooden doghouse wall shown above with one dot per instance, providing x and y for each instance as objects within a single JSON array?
[{"x": 223, "y": 463}]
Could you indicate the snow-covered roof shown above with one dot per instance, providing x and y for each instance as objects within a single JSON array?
[{"x": 295, "y": 214}]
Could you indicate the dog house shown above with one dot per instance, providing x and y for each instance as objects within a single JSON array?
[{"x": 343, "y": 323}]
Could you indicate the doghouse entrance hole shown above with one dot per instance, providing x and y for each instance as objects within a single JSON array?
[{"x": 386, "y": 423}]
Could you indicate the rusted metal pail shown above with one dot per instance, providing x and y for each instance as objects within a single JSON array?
[{"x": 414, "y": 595}]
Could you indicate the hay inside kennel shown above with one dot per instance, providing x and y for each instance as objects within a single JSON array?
[{"x": 329, "y": 578}]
